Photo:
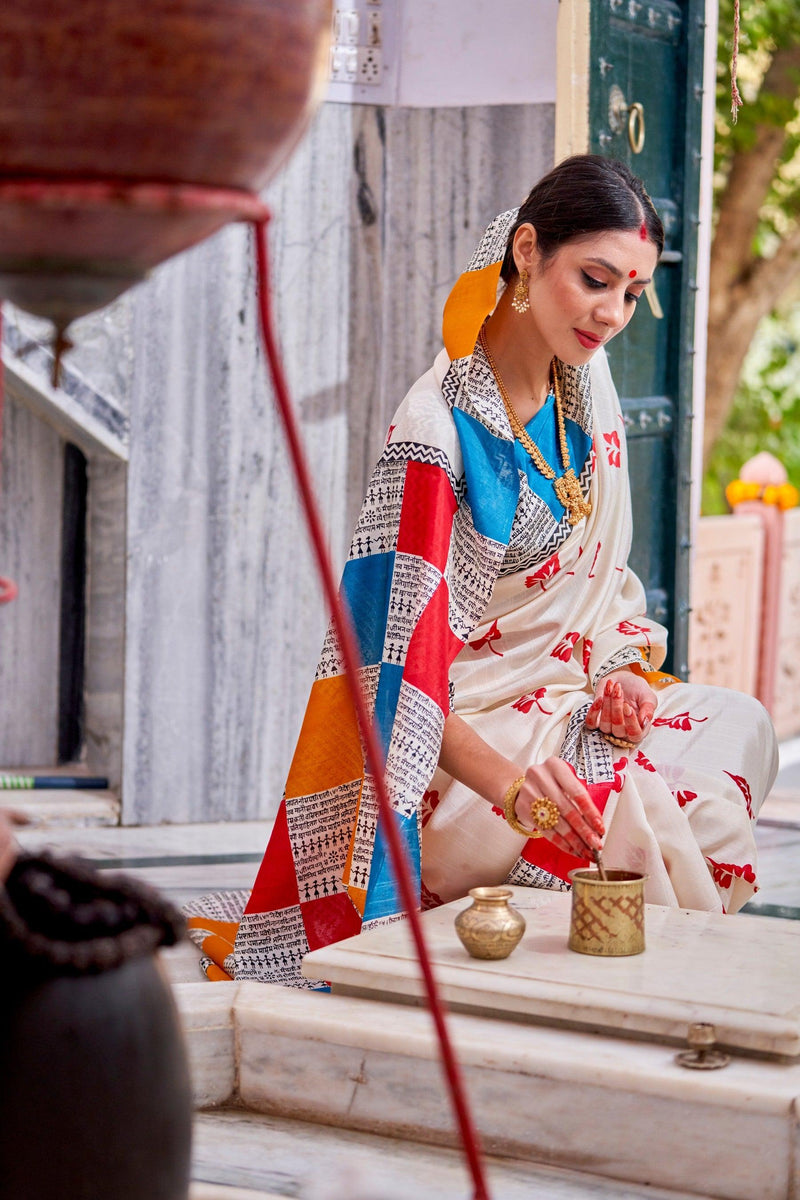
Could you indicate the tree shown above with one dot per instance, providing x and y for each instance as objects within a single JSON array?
[
  {"x": 755, "y": 253},
  {"x": 765, "y": 414}
]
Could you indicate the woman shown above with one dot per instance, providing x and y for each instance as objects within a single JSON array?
[
  {"x": 8, "y": 853},
  {"x": 511, "y": 667}
]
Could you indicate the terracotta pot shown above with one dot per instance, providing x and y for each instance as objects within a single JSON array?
[
  {"x": 95, "y": 1097},
  {"x": 210, "y": 92},
  {"x": 200, "y": 93}
]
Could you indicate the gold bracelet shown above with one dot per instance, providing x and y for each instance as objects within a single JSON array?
[
  {"x": 621, "y": 742},
  {"x": 509, "y": 802}
]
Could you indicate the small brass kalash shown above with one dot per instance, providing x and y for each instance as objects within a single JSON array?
[{"x": 490, "y": 927}]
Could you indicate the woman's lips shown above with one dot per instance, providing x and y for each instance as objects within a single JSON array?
[{"x": 588, "y": 340}]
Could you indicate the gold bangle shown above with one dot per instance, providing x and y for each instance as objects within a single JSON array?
[
  {"x": 509, "y": 801},
  {"x": 621, "y": 742}
]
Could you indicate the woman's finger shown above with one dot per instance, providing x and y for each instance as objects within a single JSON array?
[
  {"x": 559, "y": 842},
  {"x": 8, "y": 850},
  {"x": 570, "y": 843},
  {"x": 578, "y": 810},
  {"x": 632, "y": 730},
  {"x": 580, "y": 826},
  {"x": 579, "y": 799},
  {"x": 590, "y": 839},
  {"x": 593, "y": 715}
]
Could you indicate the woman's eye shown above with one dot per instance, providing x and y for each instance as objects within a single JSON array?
[
  {"x": 631, "y": 299},
  {"x": 590, "y": 281}
]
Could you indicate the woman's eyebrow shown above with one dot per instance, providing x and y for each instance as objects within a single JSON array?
[{"x": 615, "y": 271}]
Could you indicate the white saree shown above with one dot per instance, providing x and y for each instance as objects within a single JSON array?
[
  {"x": 469, "y": 589},
  {"x": 682, "y": 805}
]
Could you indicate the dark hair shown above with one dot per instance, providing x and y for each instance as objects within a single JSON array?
[{"x": 584, "y": 194}]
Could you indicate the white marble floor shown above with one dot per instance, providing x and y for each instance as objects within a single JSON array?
[
  {"x": 270, "y": 1157},
  {"x": 185, "y": 860},
  {"x": 315, "y": 1162}
]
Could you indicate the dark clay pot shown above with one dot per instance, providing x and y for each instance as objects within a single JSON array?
[{"x": 95, "y": 1097}]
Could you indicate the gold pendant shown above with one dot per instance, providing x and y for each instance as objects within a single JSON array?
[{"x": 569, "y": 493}]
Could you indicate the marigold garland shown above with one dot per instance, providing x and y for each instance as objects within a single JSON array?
[{"x": 783, "y": 495}]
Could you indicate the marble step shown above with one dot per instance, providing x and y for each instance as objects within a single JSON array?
[
  {"x": 317, "y": 1162},
  {"x": 220, "y": 1191},
  {"x": 620, "y": 1110},
  {"x": 54, "y": 810}
]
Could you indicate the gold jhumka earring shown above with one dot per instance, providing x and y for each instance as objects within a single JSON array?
[{"x": 520, "y": 303}]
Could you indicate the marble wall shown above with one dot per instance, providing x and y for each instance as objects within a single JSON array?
[
  {"x": 212, "y": 651},
  {"x": 39, "y": 421},
  {"x": 31, "y": 477}
]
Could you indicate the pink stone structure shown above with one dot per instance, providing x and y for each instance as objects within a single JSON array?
[
  {"x": 724, "y": 633},
  {"x": 745, "y": 625},
  {"x": 765, "y": 469},
  {"x": 786, "y": 707}
]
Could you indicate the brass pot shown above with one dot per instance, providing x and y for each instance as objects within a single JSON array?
[
  {"x": 607, "y": 915},
  {"x": 490, "y": 927}
]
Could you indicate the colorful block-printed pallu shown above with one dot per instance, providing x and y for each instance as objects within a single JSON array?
[{"x": 470, "y": 590}]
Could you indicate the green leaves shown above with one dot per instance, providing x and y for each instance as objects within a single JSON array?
[{"x": 766, "y": 411}]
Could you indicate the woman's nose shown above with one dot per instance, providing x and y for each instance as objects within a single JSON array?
[{"x": 610, "y": 310}]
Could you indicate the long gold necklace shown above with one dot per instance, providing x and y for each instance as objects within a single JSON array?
[{"x": 566, "y": 486}]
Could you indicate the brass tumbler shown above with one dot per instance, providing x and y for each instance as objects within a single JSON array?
[{"x": 607, "y": 915}]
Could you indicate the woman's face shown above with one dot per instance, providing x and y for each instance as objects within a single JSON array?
[{"x": 587, "y": 292}]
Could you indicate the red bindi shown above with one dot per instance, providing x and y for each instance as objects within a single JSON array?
[
  {"x": 631, "y": 274},
  {"x": 643, "y": 231}
]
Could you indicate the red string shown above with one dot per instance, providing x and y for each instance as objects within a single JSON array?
[
  {"x": 244, "y": 206},
  {"x": 397, "y": 853}
]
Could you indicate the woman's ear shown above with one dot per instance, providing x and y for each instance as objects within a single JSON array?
[{"x": 525, "y": 249}]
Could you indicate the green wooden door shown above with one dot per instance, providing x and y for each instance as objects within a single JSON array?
[{"x": 650, "y": 54}]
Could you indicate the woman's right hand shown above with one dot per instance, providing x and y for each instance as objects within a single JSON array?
[
  {"x": 580, "y": 829},
  {"x": 8, "y": 852}
]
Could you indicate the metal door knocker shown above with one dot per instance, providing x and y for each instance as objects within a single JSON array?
[{"x": 620, "y": 114}]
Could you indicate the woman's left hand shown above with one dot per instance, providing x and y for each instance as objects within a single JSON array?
[{"x": 623, "y": 706}]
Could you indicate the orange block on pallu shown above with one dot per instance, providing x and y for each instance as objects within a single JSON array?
[
  {"x": 215, "y": 974},
  {"x": 472, "y": 299},
  {"x": 358, "y": 896},
  {"x": 656, "y": 679},
  {"x": 217, "y": 945},
  {"x": 329, "y": 749}
]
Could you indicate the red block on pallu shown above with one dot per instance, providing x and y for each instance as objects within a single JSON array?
[
  {"x": 330, "y": 920},
  {"x": 541, "y": 852},
  {"x": 426, "y": 518},
  {"x": 276, "y": 883},
  {"x": 431, "y": 651}
]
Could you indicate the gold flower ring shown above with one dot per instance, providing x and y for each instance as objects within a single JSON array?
[{"x": 544, "y": 813}]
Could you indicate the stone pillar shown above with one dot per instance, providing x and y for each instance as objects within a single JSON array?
[{"x": 766, "y": 471}]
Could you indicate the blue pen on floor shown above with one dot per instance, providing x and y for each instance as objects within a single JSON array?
[{"x": 28, "y": 782}]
